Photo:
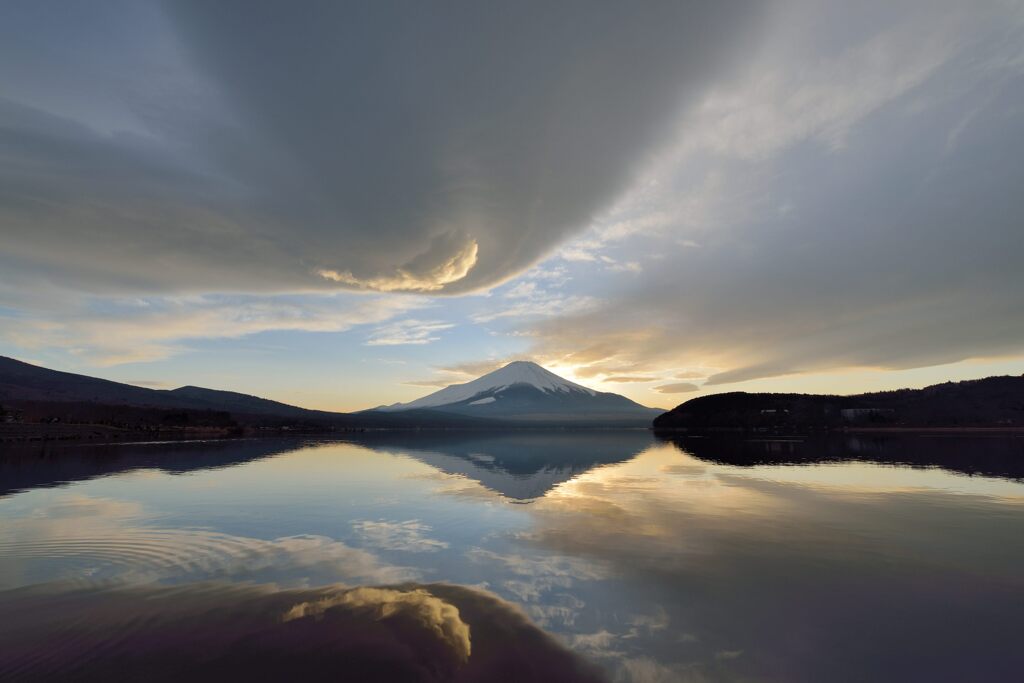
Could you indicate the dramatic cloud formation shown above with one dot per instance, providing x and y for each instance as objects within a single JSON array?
[
  {"x": 691, "y": 194},
  {"x": 391, "y": 146},
  {"x": 848, "y": 200}
]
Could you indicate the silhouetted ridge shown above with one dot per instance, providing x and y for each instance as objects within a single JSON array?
[{"x": 989, "y": 402}]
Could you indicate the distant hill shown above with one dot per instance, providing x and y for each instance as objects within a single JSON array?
[
  {"x": 989, "y": 402},
  {"x": 33, "y": 394},
  {"x": 524, "y": 392}
]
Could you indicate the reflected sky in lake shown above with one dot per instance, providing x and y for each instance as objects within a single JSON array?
[{"x": 650, "y": 560}]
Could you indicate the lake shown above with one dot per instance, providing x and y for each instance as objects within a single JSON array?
[{"x": 463, "y": 556}]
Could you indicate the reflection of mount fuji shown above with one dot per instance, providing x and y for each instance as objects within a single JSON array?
[{"x": 518, "y": 465}]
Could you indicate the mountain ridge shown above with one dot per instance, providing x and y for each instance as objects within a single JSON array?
[
  {"x": 35, "y": 394},
  {"x": 987, "y": 402}
]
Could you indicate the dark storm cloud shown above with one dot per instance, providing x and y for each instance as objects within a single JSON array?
[
  {"x": 386, "y": 146},
  {"x": 215, "y": 632}
]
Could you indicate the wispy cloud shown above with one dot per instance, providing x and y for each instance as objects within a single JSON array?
[
  {"x": 111, "y": 331},
  {"x": 678, "y": 388},
  {"x": 408, "y": 332},
  {"x": 627, "y": 379},
  {"x": 538, "y": 294}
]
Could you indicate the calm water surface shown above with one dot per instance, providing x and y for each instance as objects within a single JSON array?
[{"x": 416, "y": 557}]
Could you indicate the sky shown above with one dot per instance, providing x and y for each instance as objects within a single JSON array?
[{"x": 340, "y": 205}]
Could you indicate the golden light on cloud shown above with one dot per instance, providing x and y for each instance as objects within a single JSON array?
[{"x": 420, "y": 274}]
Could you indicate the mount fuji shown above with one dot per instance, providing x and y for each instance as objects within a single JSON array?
[{"x": 525, "y": 392}]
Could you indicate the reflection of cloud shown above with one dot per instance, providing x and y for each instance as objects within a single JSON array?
[
  {"x": 433, "y": 613},
  {"x": 76, "y": 507},
  {"x": 729, "y": 567},
  {"x": 407, "y": 535},
  {"x": 646, "y": 624},
  {"x": 560, "y": 609},
  {"x": 427, "y": 633},
  {"x": 647, "y": 670},
  {"x": 542, "y": 583},
  {"x": 597, "y": 644},
  {"x": 110, "y": 539},
  {"x": 541, "y": 566}
]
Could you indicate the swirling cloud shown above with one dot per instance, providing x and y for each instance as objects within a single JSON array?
[{"x": 386, "y": 147}]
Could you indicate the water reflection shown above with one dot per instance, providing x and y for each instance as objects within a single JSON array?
[
  {"x": 654, "y": 562},
  {"x": 28, "y": 466},
  {"x": 996, "y": 455},
  {"x": 740, "y": 574},
  {"x": 519, "y": 465},
  {"x": 219, "y": 632}
]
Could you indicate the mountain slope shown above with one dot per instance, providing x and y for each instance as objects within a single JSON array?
[
  {"x": 40, "y": 393},
  {"x": 25, "y": 382},
  {"x": 525, "y": 392}
]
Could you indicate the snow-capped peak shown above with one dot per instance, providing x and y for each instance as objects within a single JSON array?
[
  {"x": 525, "y": 372},
  {"x": 517, "y": 372}
]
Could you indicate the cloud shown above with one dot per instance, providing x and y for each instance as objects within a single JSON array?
[
  {"x": 627, "y": 267},
  {"x": 538, "y": 294},
  {"x": 150, "y": 383},
  {"x": 539, "y": 306},
  {"x": 691, "y": 374},
  {"x": 161, "y": 150},
  {"x": 415, "y": 332},
  {"x": 477, "y": 368},
  {"x": 428, "y": 383},
  {"x": 621, "y": 379},
  {"x": 441, "y": 265},
  {"x": 784, "y": 187},
  {"x": 678, "y": 388},
  {"x": 110, "y": 331},
  {"x": 838, "y": 227}
]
